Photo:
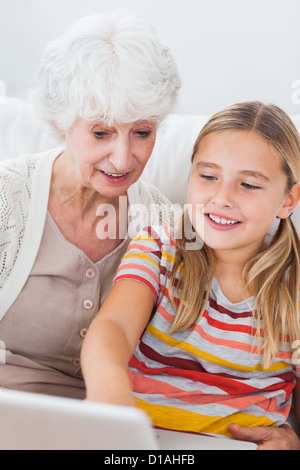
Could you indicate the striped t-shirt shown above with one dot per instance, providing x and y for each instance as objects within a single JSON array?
[{"x": 210, "y": 375}]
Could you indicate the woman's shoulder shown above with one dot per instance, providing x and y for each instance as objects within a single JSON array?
[
  {"x": 144, "y": 192},
  {"x": 17, "y": 168},
  {"x": 159, "y": 209},
  {"x": 16, "y": 174},
  {"x": 21, "y": 168}
]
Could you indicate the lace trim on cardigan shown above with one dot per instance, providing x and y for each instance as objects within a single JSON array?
[{"x": 15, "y": 195}]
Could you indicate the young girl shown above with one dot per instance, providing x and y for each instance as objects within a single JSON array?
[{"x": 208, "y": 333}]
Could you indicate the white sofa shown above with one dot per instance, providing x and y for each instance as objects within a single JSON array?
[{"x": 168, "y": 168}]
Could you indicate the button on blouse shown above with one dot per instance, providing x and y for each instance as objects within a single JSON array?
[
  {"x": 88, "y": 304},
  {"x": 90, "y": 273}
]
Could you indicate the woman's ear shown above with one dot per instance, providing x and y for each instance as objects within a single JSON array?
[
  {"x": 58, "y": 129},
  {"x": 291, "y": 201}
]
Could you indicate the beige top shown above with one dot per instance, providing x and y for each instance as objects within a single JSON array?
[{"x": 43, "y": 344}]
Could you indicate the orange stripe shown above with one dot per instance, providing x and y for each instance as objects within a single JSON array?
[
  {"x": 226, "y": 342},
  {"x": 237, "y": 344},
  {"x": 142, "y": 247},
  {"x": 140, "y": 268},
  {"x": 164, "y": 313}
]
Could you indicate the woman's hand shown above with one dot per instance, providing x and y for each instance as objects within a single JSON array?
[{"x": 267, "y": 438}]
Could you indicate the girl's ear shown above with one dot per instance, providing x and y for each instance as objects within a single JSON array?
[{"x": 291, "y": 201}]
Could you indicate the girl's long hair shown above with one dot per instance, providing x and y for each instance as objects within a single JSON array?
[{"x": 272, "y": 276}]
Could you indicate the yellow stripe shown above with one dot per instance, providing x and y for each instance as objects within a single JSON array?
[
  {"x": 142, "y": 256},
  {"x": 145, "y": 257},
  {"x": 144, "y": 237},
  {"x": 165, "y": 253},
  {"x": 209, "y": 357},
  {"x": 178, "y": 419},
  {"x": 168, "y": 257}
]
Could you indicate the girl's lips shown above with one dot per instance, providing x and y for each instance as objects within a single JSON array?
[
  {"x": 221, "y": 223},
  {"x": 114, "y": 178}
]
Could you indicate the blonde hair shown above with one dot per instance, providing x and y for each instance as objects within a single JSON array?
[{"x": 272, "y": 276}]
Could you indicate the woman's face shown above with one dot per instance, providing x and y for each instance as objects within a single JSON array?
[{"x": 109, "y": 159}]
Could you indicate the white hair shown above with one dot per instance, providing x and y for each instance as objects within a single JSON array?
[{"x": 109, "y": 67}]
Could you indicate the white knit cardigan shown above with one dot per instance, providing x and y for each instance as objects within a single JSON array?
[{"x": 24, "y": 193}]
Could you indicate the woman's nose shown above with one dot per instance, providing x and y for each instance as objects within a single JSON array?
[{"x": 121, "y": 155}]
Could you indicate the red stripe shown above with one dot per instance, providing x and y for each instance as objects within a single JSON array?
[
  {"x": 177, "y": 362},
  {"x": 153, "y": 234},
  {"x": 217, "y": 307},
  {"x": 229, "y": 327},
  {"x": 194, "y": 371},
  {"x": 216, "y": 380},
  {"x": 221, "y": 309},
  {"x": 137, "y": 278}
]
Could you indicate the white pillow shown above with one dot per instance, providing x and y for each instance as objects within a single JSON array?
[
  {"x": 170, "y": 162},
  {"x": 21, "y": 131}
]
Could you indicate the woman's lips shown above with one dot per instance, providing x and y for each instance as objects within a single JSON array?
[
  {"x": 222, "y": 223},
  {"x": 114, "y": 178}
]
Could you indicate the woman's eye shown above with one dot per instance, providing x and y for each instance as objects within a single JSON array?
[
  {"x": 250, "y": 186},
  {"x": 144, "y": 133},
  {"x": 100, "y": 134}
]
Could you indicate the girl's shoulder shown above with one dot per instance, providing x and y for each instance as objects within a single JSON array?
[{"x": 162, "y": 236}]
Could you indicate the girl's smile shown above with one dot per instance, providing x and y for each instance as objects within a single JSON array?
[{"x": 220, "y": 222}]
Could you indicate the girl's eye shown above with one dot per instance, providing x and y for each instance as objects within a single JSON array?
[
  {"x": 208, "y": 177},
  {"x": 250, "y": 186}
]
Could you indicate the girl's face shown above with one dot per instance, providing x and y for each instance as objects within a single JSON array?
[
  {"x": 237, "y": 180},
  {"x": 108, "y": 159}
]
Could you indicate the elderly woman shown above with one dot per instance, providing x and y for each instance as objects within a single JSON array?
[{"x": 103, "y": 86}]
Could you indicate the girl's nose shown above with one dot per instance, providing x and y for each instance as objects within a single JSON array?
[{"x": 223, "y": 196}]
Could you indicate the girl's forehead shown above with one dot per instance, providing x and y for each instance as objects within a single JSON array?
[
  {"x": 239, "y": 144},
  {"x": 244, "y": 153}
]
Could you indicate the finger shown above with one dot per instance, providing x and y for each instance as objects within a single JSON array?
[{"x": 255, "y": 434}]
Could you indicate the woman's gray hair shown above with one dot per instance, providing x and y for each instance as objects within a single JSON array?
[{"x": 109, "y": 67}]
